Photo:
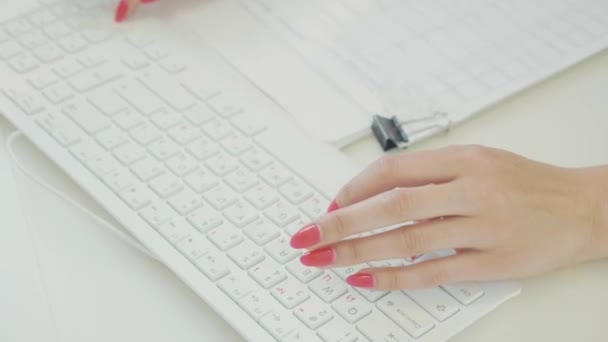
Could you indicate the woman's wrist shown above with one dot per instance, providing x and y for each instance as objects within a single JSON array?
[{"x": 595, "y": 184}]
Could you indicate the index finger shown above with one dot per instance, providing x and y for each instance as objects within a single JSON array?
[{"x": 403, "y": 170}]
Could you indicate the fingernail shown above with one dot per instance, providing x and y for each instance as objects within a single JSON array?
[
  {"x": 319, "y": 257},
  {"x": 365, "y": 280},
  {"x": 333, "y": 206},
  {"x": 306, "y": 237},
  {"x": 121, "y": 11}
]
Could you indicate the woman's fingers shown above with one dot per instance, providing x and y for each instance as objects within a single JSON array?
[
  {"x": 389, "y": 208},
  {"x": 403, "y": 170},
  {"x": 461, "y": 267},
  {"x": 427, "y": 237},
  {"x": 126, "y": 7}
]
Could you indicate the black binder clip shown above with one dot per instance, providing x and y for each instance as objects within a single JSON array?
[
  {"x": 389, "y": 133},
  {"x": 393, "y": 133}
]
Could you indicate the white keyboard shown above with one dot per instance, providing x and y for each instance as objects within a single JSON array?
[{"x": 187, "y": 161}]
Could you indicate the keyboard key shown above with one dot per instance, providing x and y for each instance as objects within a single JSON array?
[
  {"x": 224, "y": 106},
  {"x": 199, "y": 89},
  {"x": 278, "y": 325},
  {"x": 281, "y": 251},
  {"x": 221, "y": 164},
  {"x": 314, "y": 207},
  {"x": 127, "y": 119},
  {"x": 16, "y": 27},
  {"x": 9, "y": 49},
  {"x": 56, "y": 30},
  {"x": 255, "y": 159},
  {"x": 135, "y": 61},
  {"x": 42, "y": 79},
  {"x": 303, "y": 273},
  {"x": 136, "y": 196},
  {"x": 163, "y": 149},
  {"x": 248, "y": 124},
  {"x": 262, "y": 196},
  {"x": 202, "y": 149},
  {"x": 377, "y": 328},
  {"x": 181, "y": 164},
  {"x": 275, "y": 175},
  {"x": 194, "y": 246},
  {"x": 95, "y": 35},
  {"x": 176, "y": 230},
  {"x": 172, "y": 65},
  {"x": 27, "y": 101},
  {"x": 118, "y": 180},
  {"x": 58, "y": 93},
  {"x": 337, "y": 330},
  {"x": 165, "y": 119},
  {"x": 139, "y": 97},
  {"x": 93, "y": 78},
  {"x": 261, "y": 231},
  {"x": 221, "y": 197},
  {"x": 282, "y": 213},
  {"x": 204, "y": 219},
  {"x": 328, "y": 287},
  {"x": 60, "y": 128},
  {"x": 465, "y": 293},
  {"x": 198, "y": 114},
  {"x": 241, "y": 180},
  {"x": 344, "y": 272},
  {"x": 201, "y": 180},
  {"x": 107, "y": 102},
  {"x": 155, "y": 51},
  {"x": 371, "y": 295},
  {"x": 436, "y": 302},
  {"x": 296, "y": 225},
  {"x": 246, "y": 256},
  {"x": 268, "y": 273},
  {"x": 23, "y": 63},
  {"x": 92, "y": 60},
  {"x": 289, "y": 293},
  {"x": 41, "y": 18},
  {"x": 257, "y": 304},
  {"x": 111, "y": 138},
  {"x": 236, "y": 144},
  {"x": 165, "y": 185},
  {"x": 85, "y": 116},
  {"x": 216, "y": 129},
  {"x": 47, "y": 53},
  {"x": 352, "y": 307},
  {"x": 241, "y": 214},
  {"x": 225, "y": 238},
  {"x": 184, "y": 133},
  {"x": 185, "y": 202},
  {"x": 407, "y": 314},
  {"x": 236, "y": 286},
  {"x": 295, "y": 191},
  {"x": 167, "y": 89},
  {"x": 145, "y": 134},
  {"x": 157, "y": 214},
  {"x": 300, "y": 335},
  {"x": 146, "y": 168},
  {"x": 313, "y": 313},
  {"x": 213, "y": 265},
  {"x": 72, "y": 43},
  {"x": 32, "y": 40}
]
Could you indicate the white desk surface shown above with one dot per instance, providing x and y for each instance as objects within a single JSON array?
[{"x": 101, "y": 289}]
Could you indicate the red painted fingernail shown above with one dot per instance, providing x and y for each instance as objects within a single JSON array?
[
  {"x": 365, "y": 280},
  {"x": 121, "y": 11},
  {"x": 333, "y": 206},
  {"x": 306, "y": 237},
  {"x": 319, "y": 257}
]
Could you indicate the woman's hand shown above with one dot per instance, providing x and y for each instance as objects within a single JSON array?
[
  {"x": 506, "y": 216},
  {"x": 126, "y": 7}
]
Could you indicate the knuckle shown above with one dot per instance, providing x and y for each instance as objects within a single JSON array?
[
  {"x": 339, "y": 228},
  {"x": 390, "y": 280},
  {"x": 398, "y": 202},
  {"x": 476, "y": 154},
  {"x": 385, "y": 165},
  {"x": 411, "y": 241},
  {"x": 437, "y": 275}
]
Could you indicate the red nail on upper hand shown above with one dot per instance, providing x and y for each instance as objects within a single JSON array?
[
  {"x": 306, "y": 237},
  {"x": 121, "y": 11},
  {"x": 333, "y": 206},
  {"x": 320, "y": 257},
  {"x": 364, "y": 280}
]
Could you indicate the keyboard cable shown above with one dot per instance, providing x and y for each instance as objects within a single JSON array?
[{"x": 10, "y": 140}]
